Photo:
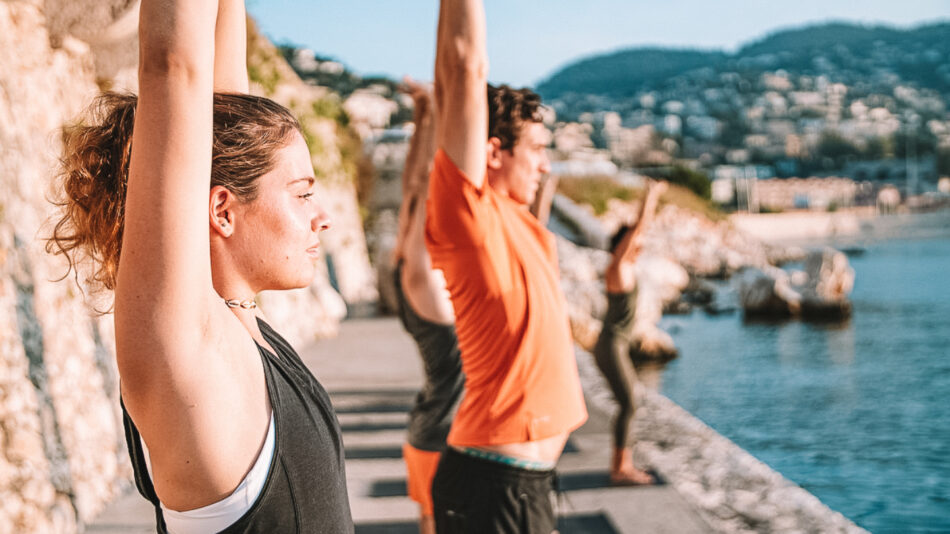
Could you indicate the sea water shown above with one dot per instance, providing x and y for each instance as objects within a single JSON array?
[{"x": 856, "y": 412}]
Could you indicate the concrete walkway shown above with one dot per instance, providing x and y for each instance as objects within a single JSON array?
[{"x": 372, "y": 373}]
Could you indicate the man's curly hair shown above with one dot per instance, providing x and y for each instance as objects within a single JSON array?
[{"x": 508, "y": 110}]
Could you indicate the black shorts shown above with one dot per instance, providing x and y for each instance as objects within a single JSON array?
[{"x": 475, "y": 496}]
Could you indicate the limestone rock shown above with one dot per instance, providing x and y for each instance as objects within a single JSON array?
[
  {"x": 381, "y": 240},
  {"x": 820, "y": 292}
]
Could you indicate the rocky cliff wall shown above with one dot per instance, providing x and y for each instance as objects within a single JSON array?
[{"x": 62, "y": 453}]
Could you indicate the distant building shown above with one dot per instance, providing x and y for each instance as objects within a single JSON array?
[
  {"x": 572, "y": 136},
  {"x": 704, "y": 127},
  {"x": 369, "y": 111},
  {"x": 671, "y": 125},
  {"x": 898, "y": 172},
  {"x": 586, "y": 162},
  {"x": 777, "y": 81},
  {"x": 723, "y": 191},
  {"x": 736, "y": 184},
  {"x": 304, "y": 60},
  {"x": 673, "y": 107},
  {"x": 629, "y": 145},
  {"x": 733, "y": 172},
  {"x": 805, "y": 193}
]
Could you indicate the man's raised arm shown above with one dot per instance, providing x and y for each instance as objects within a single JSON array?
[{"x": 461, "y": 71}]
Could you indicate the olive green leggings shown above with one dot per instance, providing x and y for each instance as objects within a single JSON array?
[{"x": 612, "y": 354}]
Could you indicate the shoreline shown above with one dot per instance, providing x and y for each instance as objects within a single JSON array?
[
  {"x": 731, "y": 489},
  {"x": 841, "y": 228}
]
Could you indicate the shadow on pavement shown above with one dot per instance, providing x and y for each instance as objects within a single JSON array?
[{"x": 575, "y": 524}]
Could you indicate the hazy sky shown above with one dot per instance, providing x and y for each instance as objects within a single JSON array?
[{"x": 530, "y": 39}]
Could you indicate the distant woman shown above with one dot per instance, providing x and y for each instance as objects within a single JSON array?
[
  {"x": 426, "y": 313},
  {"x": 191, "y": 199},
  {"x": 612, "y": 351}
]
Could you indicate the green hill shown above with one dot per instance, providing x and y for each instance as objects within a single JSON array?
[
  {"x": 841, "y": 51},
  {"x": 625, "y": 72}
]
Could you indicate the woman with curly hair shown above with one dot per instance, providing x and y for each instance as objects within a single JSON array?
[{"x": 190, "y": 199}]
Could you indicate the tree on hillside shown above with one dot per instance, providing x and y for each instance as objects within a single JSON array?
[
  {"x": 834, "y": 151},
  {"x": 695, "y": 181},
  {"x": 879, "y": 148}
]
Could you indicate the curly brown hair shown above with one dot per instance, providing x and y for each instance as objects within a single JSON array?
[
  {"x": 508, "y": 110},
  {"x": 91, "y": 188}
]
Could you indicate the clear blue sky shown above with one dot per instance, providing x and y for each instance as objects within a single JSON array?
[{"x": 529, "y": 39}]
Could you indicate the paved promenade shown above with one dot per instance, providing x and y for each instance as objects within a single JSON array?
[{"x": 372, "y": 373}]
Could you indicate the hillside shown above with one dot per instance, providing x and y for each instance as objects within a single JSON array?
[
  {"x": 625, "y": 72},
  {"x": 814, "y": 100},
  {"x": 840, "y": 50}
]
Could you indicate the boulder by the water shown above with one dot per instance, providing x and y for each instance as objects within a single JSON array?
[{"x": 820, "y": 292}]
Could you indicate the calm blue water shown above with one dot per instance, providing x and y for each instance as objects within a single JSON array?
[{"x": 856, "y": 413}]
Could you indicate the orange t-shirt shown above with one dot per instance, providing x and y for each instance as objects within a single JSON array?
[{"x": 500, "y": 265}]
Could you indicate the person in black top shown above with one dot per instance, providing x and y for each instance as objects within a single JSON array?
[
  {"x": 612, "y": 351},
  {"x": 207, "y": 192},
  {"x": 425, "y": 310}
]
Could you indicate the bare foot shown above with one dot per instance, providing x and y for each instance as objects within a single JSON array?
[{"x": 631, "y": 477}]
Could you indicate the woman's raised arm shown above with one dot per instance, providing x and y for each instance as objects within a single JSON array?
[
  {"x": 164, "y": 291},
  {"x": 230, "y": 48},
  {"x": 415, "y": 174}
]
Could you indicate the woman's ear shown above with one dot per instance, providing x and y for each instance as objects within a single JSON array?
[
  {"x": 221, "y": 211},
  {"x": 493, "y": 153}
]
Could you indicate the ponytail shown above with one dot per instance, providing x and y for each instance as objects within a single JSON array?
[{"x": 93, "y": 181}]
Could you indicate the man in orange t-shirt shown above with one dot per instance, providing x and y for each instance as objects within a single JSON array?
[{"x": 523, "y": 394}]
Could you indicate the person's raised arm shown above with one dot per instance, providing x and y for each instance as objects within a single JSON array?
[
  {"x": 230, "y": 48},
  {"x": 164, "y": 291},
  {"x": 422, "y": 147},
  {"x": 415, "y": 176},
  {"x": 423, "y": 286},
  {"x": 461, "y": 71},
  {"x": 629, "y": 247}
]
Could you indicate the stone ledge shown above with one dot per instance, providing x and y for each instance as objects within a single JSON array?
[{"x": 732, "y": 490}]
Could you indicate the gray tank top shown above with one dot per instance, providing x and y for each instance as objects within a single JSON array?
[
  {"x": 431, "y": 416},
  {"x": 305, "y": 490}
]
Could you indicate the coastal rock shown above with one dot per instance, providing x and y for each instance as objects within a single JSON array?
[
  {"x": 381, "y": 241},
  {"x": 820, "y": 292},
  {"x": 767, "y": 292},
  {"x": 830, "y": 280}
]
